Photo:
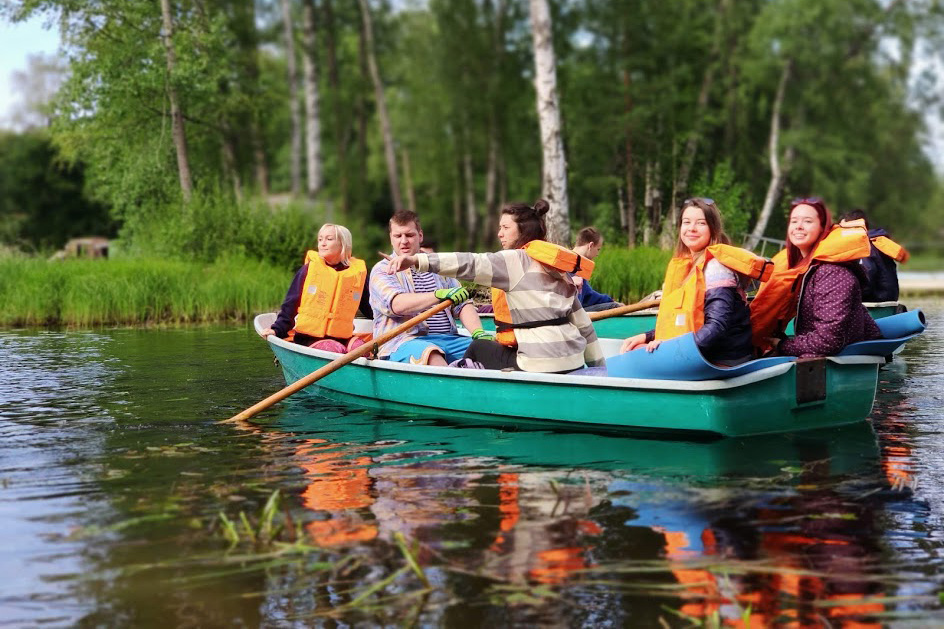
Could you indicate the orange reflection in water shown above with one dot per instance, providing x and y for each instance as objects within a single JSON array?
[{"x": 338, "y": 484}]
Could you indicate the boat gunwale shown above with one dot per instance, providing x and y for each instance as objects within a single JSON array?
[{"x": 609, "y": 382}]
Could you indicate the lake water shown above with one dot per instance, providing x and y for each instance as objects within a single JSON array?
[{"x": 117, "y": 484}]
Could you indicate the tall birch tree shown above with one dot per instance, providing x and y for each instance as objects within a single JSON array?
[
  {"x": 177, "y": 116},
  {"x": 312, "y": 115},
  {"x": 295, "y": 166},
  {"x": 554, "y": 162}
]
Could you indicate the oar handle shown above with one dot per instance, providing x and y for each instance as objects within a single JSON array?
[
  {"x": 336, "y": 364},
  {"x": 615, "y": 312}
]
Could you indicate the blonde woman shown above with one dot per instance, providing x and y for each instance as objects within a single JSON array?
[{"x": 321, "y": 303}]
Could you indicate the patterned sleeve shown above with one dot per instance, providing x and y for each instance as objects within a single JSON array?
[
  {"x": 383, "y": 288},
  {"x": 592, "y": 353},
  {"x": 834, "y": 296},
  {"x": 486, "y": 269},
  {"x": 718, "y": 275}
]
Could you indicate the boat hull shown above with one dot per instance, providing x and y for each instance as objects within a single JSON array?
[{"x": 762, "y": 402}]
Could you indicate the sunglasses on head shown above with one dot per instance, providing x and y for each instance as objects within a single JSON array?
[
  {"x": 808, "y": 200},
  {"x": 705, "y": 200}
]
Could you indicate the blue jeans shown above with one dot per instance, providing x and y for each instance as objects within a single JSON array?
[{"x": 417, "y": 350}]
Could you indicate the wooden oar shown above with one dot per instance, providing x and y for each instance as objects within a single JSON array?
[
  {"x": 615, "y": 312},
  {"x": 336, "y": 364}
]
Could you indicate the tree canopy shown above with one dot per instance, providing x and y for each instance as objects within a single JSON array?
[{"x": 658, "y": 101}]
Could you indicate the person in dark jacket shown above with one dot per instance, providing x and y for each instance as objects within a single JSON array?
[
  {"x": 725, "y": 336},
  {"x": 589, "y": 244},
  {"x": 830, "y": 314},
  {"x": 334, "y": 246},
  {"x": 881, "y": 269}
]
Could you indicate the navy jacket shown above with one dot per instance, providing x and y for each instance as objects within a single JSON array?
[
  {"x": 726, "y": 334},
  {"x": 590, "y": 297},
  {"x": 881, "y": 273}
]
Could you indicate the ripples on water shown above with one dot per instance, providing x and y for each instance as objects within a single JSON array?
[{"x": 113, "y": 474}]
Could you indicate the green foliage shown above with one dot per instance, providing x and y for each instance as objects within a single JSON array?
[
  {"x": 213, "y": 226},
  {"x": 41, "y": 201},
  {"x": 100, "y": 292},
  {"x": 639, "y": 81},
  {"x": 731, "y": 197},
  {"x": 630, "y": 274}
]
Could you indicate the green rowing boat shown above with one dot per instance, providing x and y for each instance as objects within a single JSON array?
[{"x": 782, "y": 397}]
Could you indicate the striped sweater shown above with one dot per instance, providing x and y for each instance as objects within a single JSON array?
[{"x": 535, "y": 293}]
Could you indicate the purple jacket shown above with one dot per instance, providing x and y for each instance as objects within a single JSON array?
[{"x": 830, "y": 315}]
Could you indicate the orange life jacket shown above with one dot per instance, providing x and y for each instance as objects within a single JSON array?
[
  {"x": 330, "y": 298},
  {"x": 552, "y": 255},
  {"x": 777, "y": 300},
  {"x": 891, "y": 248},
  {"x": 682, "y": 308}
]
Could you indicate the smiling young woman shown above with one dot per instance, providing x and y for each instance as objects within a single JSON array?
[
  {"x": 817, "y": 280},
  {"x": 703, "y": 290}
]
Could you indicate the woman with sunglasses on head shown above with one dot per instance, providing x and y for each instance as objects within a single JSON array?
[
  {"x": 817, "y": 280},
  {"x": 541, "y": 325},
  {"x": 703, "y": 290}
]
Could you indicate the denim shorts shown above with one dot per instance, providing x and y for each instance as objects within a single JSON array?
[{"x": 417, "y": 349}]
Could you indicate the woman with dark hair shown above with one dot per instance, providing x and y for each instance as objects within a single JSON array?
[
  {"x": 703, "y": 290},
  {"x": 816, "y": 279},
  {"x": 542, "y": 326}
]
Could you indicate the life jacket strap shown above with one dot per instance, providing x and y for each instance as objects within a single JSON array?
[
  {"x": 763, "y": 269},
  {"x": 501, "y": 326}
]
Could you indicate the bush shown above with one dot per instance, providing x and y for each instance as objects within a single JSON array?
[
  {"x": 98, "y": 292},
  {"x": 628, "y": 275}
]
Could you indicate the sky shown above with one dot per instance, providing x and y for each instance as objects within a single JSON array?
[{"x": 17, "y": 41}]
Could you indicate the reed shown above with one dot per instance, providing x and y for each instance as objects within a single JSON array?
[
  {"x": 83, "y": 293},
  {"x": 628, "y": 275}
]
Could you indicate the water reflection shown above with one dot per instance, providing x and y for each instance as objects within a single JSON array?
[
  {"x": 113, "y": 474},
  {"x": 561, "y": 509}
]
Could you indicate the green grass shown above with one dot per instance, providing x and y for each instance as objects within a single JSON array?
[
  {"x": 83, "y": 293},
  {"x": 630, "y": 274},
  {"x": 140, "y": 291}
]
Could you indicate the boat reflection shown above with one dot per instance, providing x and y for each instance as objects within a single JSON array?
[{"x": 768, "y": 530}]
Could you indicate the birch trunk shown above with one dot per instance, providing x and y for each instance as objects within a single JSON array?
[
  {"x": 230, "y": 168},
  {"x": 653, "y": 203},
  {"x": 360, "y": 109},
  {"x": 390, "y": 154},
  {"x": 295, "y": 112},
  {"x": 778, "y": 174},
  {"x": 176, "y": 115},
  {"x": 312, "y": 113},
  {"x": 554, "y": 164}
]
